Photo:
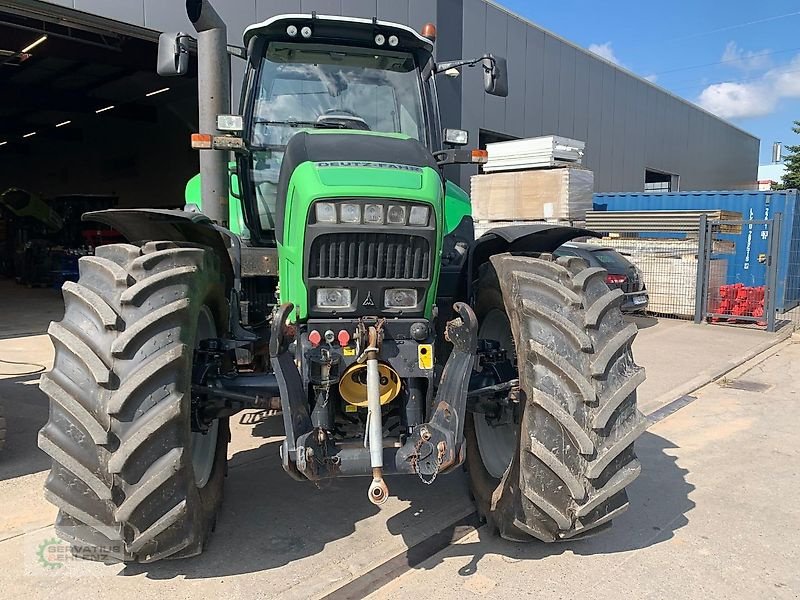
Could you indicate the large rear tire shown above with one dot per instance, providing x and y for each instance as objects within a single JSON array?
[
  {"x": 131, "y": 480},
  {"x": 561, "y": 469}
]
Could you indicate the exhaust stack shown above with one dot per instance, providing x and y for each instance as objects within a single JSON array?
[{"x": 214, "y": 98}]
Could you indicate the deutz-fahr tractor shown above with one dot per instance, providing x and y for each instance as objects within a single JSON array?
[{"x": 340, "y": 284}]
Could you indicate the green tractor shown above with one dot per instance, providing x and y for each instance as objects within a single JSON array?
[{"x": 342, "y": 285}]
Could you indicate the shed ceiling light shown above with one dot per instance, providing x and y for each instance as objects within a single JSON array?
[
  {"x": 30, "y": 47},
  {"x": 31, "y": 134},
  {"x": 156, "y": 92},
  {"x": 3, "y": 143},
  {"x": 102, "y": 110},
  {"x": 63, "y": 123}
]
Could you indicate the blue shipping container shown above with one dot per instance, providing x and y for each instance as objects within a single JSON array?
[{"x": 743, "y": 266}]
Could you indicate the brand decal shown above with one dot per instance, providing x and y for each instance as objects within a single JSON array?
[
  {"x": 368, "y": 165},
  {"x": 368, "y": 301}
]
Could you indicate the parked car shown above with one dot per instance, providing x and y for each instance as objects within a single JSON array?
[{"x": 622, "y": 273}]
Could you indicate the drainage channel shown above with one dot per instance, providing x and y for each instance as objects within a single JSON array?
[
  {"x": 393, "y": 568},
  {"x": 670, "y": 409}
]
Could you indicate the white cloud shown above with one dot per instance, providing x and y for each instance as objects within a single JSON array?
[
  {"x": 731, "y": 100},
  {"x": 756, "y": 98},
  {"x": 652, "y": 78},
  {"x": 746, "y": 60},
  {"x": 605, "y": 51}
]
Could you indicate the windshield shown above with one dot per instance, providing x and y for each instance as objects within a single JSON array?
[{"x": 304, "y": 86}]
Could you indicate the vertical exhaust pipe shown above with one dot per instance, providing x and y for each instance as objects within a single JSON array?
[{"x": 214, "y": 98}]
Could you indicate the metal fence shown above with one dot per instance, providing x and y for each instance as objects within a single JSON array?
[
  {"x": 667, "y": 266},
  {"x": 745, "y": 291},
  {"x": 743, "y": 272}
]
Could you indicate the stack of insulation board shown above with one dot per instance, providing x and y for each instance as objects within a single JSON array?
[
  {"x": 669, "y": 271},
  {"x": 562, "y": 195},
  {"x": 635, "y": 221},
  {"x": 533, "y": 153}
]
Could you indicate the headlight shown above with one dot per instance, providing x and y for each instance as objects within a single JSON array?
[
  {"x": 326, "y": 212},
  {"x": 373, "y": 213},
  {"x": 351, "y": 213},
  {"x": 334, "y": 297},
  {"x": 419, "y": 215},
  {"x": 400, "y": 298},
  {"x": 396, "y": 215}
]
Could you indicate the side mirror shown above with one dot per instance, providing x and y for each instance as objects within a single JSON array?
[
  {"x": 456, "y": 137},
  {"x": 173, "y": 55},
  {"x": 495, "y": 75}
]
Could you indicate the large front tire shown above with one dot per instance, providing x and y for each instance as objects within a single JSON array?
[
  {"x": 571, "y": 450},
  {"x": 130, "y": 479}
]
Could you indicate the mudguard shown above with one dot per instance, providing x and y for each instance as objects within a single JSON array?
[
  {"x": 534, "y": 237},
  {"x": 139, "y": 225}
]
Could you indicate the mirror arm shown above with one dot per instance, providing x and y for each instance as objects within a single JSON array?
[
  {"x": 455, "y": 64},
  {"x": 237, "y": 51}
]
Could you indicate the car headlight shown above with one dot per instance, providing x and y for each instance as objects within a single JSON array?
[
  {"x": 350, "y": 213},
  {"x": 334, "y": 297},
  {"x": 373, "y": 214},
  {"x": 400, "y": 298},
  {"x": 396, "y": 215},
  {"x": 419, "y": 215},
  {"x": 326, "y": 212}
]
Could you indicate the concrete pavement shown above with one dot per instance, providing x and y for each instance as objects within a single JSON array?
[
  {"x": 274, "y": 533},
  {"x": 713, "y": 514}
]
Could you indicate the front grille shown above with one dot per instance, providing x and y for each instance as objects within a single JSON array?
[{"x": 370, "y": 256}]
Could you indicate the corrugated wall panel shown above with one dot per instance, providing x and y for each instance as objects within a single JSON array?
[
  {"x": 603, "y": 178},
  {"x": 421, "y": 12},
  {"x": 360, "y": 8},
  {"x": 552, "y": 77},
  {"x": 473, "y": 98},
  {"x": 566, "y": 92},
  {"x": 238, "y": 15},
  {"x": 130, "y": 11},
  {"x": 266, "y": 9},
  {"x": 393, "y": 10},
  {"x": 496, "y": 42},
  {"x": 581, "y": 93},
  {"x": 166, "y": 16},
  {"x": 515, "y": 103},
  {"x": 534, "y": 82},
  {"x": 323, "y": 7}
]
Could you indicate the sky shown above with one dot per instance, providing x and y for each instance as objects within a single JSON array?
[{"x": 739, "y": 59}]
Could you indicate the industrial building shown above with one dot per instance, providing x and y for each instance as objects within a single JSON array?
[{"x": 83, "y": 112}]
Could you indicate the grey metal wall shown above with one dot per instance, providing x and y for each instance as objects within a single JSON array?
[{"x": 556, "y": 88}]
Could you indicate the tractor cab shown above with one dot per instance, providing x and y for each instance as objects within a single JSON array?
[{"x": 329, "y": 75}]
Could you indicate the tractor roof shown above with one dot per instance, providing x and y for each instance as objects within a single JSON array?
[{"x": 335, "y": 29}]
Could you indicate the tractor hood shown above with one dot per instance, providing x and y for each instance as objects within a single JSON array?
[
  {"x": 354, "y": 158},
  {"x": 334, "y": 167}
]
